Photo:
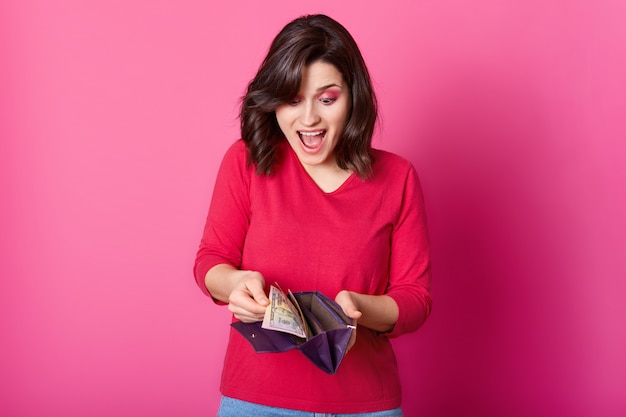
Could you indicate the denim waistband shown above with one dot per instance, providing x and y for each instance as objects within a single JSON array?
[{"x": 231, "y": 407}]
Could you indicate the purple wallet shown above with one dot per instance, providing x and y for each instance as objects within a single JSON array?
[{"x": 326, "y": 345}]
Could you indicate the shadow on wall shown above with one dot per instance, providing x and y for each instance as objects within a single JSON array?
[{"x": 503, "y": 239}]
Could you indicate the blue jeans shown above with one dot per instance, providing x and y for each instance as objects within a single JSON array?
[{"x": 230, "y": 407}]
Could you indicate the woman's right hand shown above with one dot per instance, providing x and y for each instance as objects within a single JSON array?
[{"x": 247, "y": 300}]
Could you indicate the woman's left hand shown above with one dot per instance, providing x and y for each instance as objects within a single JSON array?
[
  {"x": 348, "y": 303},
  {"x": 376, "y": 312}
]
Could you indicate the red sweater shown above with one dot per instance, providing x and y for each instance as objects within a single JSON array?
[{"x": 367, "y": 236}]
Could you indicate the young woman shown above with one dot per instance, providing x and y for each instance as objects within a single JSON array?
[{"x": 305, "y": 201}]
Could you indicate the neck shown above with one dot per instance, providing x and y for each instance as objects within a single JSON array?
[{"x": 329, "y": 177}]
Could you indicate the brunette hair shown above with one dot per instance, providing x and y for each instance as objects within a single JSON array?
[{"x": 301, "y": 42}]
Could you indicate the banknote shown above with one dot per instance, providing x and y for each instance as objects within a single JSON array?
[{"x": 282, "y": 315}]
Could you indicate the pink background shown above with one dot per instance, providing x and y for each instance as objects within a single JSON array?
[{"x": 114, "y": 116}]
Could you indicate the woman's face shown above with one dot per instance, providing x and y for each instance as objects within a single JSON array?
[{"x": 313, "y": 121}]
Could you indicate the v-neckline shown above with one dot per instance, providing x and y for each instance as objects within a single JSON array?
[{"x": 340, "y": 187}]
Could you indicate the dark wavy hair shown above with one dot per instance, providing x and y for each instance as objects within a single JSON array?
[{"x": 301, "y": 42}]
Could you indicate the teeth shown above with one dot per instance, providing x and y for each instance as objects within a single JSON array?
[{"x": 310, "y": 133}]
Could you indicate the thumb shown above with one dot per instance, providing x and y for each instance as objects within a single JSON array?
[
  {"x": 258, "y": 293},
  {"x": 346, "y": 301}
]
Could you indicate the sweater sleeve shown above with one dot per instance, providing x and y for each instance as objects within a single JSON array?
[
  {"x": 229, "y": 216},
  {"x": 410, "y": 271}
]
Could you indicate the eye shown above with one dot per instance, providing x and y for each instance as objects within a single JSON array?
[
  {"x": 294, "y": 101},
  {"x": 328, "y": 100}
]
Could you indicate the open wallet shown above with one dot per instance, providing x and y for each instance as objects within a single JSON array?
[{"x": 308, "y": 321}]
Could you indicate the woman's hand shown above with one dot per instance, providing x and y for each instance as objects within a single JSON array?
[
  {"x": 376, "y": 312},
  {"x": 247, "y": 300},
  {"x": 347, "y": 302},
  {"x": 243, "y": 291}
]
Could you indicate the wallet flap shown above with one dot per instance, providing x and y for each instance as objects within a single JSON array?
[
  {"x": 263, "y": 340},
  {"x": 338, "y": 340},
  {"x": 314, "y": 325},
  {"x": 318, "y": 351},
  {"x": 336, "y": 308},
  {"x": 326, "y": 314}
]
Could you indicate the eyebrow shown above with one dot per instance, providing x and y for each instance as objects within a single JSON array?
[{"x": 326, "y": 87}]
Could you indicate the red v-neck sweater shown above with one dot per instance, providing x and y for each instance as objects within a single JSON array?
[{"x": 368, "y": 236}]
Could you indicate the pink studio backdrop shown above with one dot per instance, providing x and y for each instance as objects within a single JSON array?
[{"x": 114, "y": 116}]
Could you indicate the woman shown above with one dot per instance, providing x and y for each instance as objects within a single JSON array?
[{"x": 305, "y": 201}]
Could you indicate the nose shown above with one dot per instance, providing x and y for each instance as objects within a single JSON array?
[{"x": 309, "y": 116}]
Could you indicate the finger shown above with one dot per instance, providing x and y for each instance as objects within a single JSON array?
[
  {"x": 258, "y": 292},
  {"x": 242, "y": 298},
  {"x": 248, "y": 319},
  {"x": 345, "y": 300},
  {"x": 244, "y": 315},
  {"x": 353, "y": 313},
  {"x": 244, "y": 302}
]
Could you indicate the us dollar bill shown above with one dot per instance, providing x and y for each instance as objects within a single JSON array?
[{"x": 281, "y": 315}]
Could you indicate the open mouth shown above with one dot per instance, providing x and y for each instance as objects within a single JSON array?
[{"x": 312, "y": 139}]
